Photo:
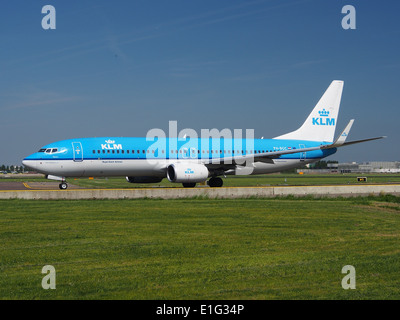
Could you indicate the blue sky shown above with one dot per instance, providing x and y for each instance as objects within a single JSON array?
[{"x": 121, "y": 68}]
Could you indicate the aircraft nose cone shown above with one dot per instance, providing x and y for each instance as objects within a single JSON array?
[{"x": 29, "y": 164}]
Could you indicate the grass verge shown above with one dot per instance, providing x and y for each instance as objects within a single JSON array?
[{"x": 286, "y": 248}]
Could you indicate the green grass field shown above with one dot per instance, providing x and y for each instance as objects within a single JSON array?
[{"x": 201, "y": 248}]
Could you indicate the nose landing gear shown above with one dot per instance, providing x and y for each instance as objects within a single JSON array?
[{"x": 63, "y": 185}]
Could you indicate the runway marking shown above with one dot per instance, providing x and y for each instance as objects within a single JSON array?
[{"x": 26, "y": 185}]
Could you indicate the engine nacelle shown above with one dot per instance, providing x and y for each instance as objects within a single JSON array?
[
  {"x": 187, "y": 172},
  {"x": 143, "y": 179}
]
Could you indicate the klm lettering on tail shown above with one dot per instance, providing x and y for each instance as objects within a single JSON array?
[{"x": 323, "y": 119}]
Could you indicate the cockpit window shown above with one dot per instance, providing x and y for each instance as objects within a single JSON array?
[{"x": 49, "y": 150}]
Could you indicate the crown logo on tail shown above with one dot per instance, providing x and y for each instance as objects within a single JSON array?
[{"x": 323, "y": 113}]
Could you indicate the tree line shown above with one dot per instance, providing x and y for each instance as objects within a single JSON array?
[{"x": 10, "y": 169}]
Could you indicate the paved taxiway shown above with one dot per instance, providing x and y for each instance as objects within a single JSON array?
[
  {"x": 49, "y": 190},
  {"x": 17, "y": 185}
]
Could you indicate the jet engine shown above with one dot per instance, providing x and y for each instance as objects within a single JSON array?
[{"x": 187, "y": 172}]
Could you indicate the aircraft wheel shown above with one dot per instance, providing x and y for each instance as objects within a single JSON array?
[
  {"x": 215, "y": 182},
  {"x": 189, "y": 185},
  {"x": 63, "y": 185}
]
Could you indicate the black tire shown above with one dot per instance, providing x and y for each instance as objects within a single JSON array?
[
  {"x": 63, "y": 186},
  {"x": 189, "y": 185},
  {"x": 215, "y": 182}
]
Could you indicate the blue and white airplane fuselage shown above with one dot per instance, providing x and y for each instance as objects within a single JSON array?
[
  {"x": 192, "y": 160},
  {"x": 90, "y": 157}
]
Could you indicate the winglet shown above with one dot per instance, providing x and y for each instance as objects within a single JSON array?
[{"x": 343, "y": 136}]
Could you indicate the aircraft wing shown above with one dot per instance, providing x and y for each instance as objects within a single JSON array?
[
  {"x": 230, "y": 162},
  {"x": 358, "y": 141}
]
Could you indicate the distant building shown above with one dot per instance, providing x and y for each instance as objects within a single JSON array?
[
  {"x": 371, "y": 167},
  {"x": 354, "y": 167}
]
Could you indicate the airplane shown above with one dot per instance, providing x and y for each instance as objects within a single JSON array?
[{"x": 195, "y": 160}]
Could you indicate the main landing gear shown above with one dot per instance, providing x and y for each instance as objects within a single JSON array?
[
  {"x": 63, "y": 185},
  {"x": 215, "y": 182},
  {"x": 189, "y": 185}
]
